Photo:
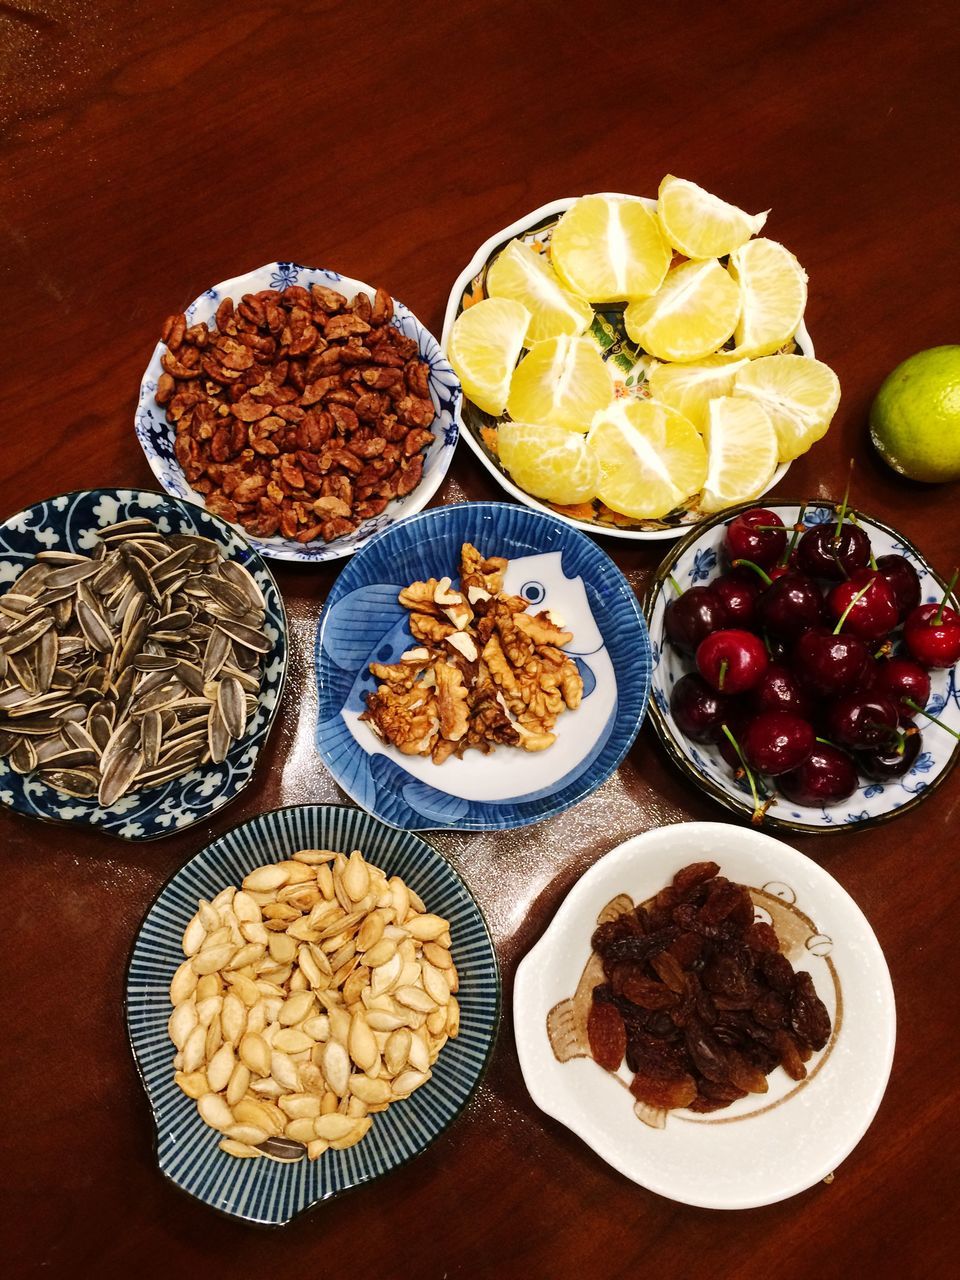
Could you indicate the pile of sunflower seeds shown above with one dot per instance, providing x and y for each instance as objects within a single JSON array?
[{"x": 124, "y": 669}]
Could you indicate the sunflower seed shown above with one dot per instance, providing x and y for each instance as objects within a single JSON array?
[
  {"x": 151, "y": 733},
  {"x": 218, "y": 736},
  {"x": 246, "y": 636},
  {"x": 117, "y": 777},
  {"x": 232, "y": 706},
  {"x": 80, "y": 783},
  {"x": 94, "y": 628}
]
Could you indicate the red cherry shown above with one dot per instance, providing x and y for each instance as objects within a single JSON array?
[
  {"x": 757, "y": 535},
  {"x": 779, "y": 690},
  {"x": 829, "y": 664},
  {"x": 866, "y": 605},
  {"x": 862, "y": 719},
  {"x": 697, "y": 709},
  {"x": 902, "y": 579},
  {"x": 904, "y": 679},
  {"x": 732, "y": 661},
  {"x": 932, "y": 634},
  {"x": 691, "y": 616},
  {"x": 777, "y": 741},
  {"x": 737, "y": 590},
  {"x": 827, "y": 776}
]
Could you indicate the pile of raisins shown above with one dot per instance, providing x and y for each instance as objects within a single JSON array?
[{"x": 699, "y": 997}]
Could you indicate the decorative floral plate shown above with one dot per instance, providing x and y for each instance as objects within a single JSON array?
[
  {"x": 157, "y": 435},
  {"x": 763, "y": 1148},
  {"x": 69, "y": 523},
  {"x": 551, "y": 565},
  {"x": 627, "y": 360},
  {"x": 696, "y": 560},
  {"x": 261, "y": 1190}
]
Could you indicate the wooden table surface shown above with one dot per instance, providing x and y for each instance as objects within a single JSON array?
[{"x": 150, "y": 150}]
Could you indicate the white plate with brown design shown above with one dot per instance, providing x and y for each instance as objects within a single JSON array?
[{"x": 765, "y": 1146}]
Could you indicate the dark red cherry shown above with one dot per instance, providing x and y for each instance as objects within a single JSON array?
[
  {"x": 732, "y": 661},
  {"x": 828, "y": 552},
  {"x": 827, "y": 776},
  {"x": 903, "y": 580},
  {"x": 892, "y": 759},
  {"x": 697, "y": 709},
  {"x": 862, "y": 719},
  {"x": 866, "y": 605},
  {"x": 757, "y": 535},
  {"x": 737, "y": 590},
  {"x": 776, "y": 741},
  {"x": 829, "y": 664},
  {"x": 690, "y": 618},
  {"x": 779, "y": 690},
  {"x": 790, "y": 605},
  {"x": 902, "y": 678},
  {"x": 932, "y": 635}
]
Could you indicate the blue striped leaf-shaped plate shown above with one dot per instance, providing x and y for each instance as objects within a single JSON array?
[
  {"x": 552, "y": 566},
  {"x": 261, "y": 1190}
]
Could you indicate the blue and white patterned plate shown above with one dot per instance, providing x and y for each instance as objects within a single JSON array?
[
  {"x": 261, "y": 1190},
  {"x": 554, "y": 567},
  {"x": 696, "y": 561},
  {"x": 69, "y": 523},
  {"x": 157, "y": 435}
]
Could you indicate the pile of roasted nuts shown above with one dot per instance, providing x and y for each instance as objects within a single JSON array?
[{"x": 299, "y": 415}]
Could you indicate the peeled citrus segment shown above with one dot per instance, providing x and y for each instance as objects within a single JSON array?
[
  {"x": 609, "y": 250},
  {"x": 651, "y": 458},
  {"x": 689, "y": 388},
  {"x": 485, "y": 343},
  {"x": 692, "y": 314},
  {"x": 741, "y": 452},
  {"x": 701, "y": 225},
  {"x": 549, "y": 462},
  {"x": 561, "y": 382},
  {"x": 527, "y": 276},
  {"x": 800, "y": 395},
  {"x": 773, "y": 295}
]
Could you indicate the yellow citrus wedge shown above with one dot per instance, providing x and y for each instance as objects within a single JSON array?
[
  {"x": 689, "y": 388},
  {"x": 549, "y": 462},
  {"x": 609, "y": 250},
  {"x": 773, "y": 295},
  {"x": 800, "y": 395},
  {"x": 485, "y": 343},
  {"x": 561, "y": 382},
  {"x": 741, "y": 452},
  {"x": 651, "y": 458},
  {"x": 692, "y": 314},
  {"x": 701, "y": 225},
  {"x": 527, "y": 276}
]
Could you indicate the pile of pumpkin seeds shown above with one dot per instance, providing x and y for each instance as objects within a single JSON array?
[{"x": 126, "y": 668}]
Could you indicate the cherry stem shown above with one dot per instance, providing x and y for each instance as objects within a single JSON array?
[
  {"x": 873, "y": 562},
  {"x": 748, "y": 772},
  {"x": 885, "y": 650},
  {"x": 675, "y": 584},
  {"x": 798, "y": 528},
  {"x": 756, "y": 568},
  {"x": 859, "y": 596},
  {"x": 723, "y": 674},
  {"x": 938, "y": 616},
  {"x": 936, "y": 719},
  {"x": 843, "y": 505}
]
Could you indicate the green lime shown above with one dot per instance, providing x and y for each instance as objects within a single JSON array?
[{"x": 915, "y": 418}]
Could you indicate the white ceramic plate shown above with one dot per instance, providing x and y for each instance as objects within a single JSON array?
[
  {"x": 609, "y": 334},
  {"x": 763, "y": 1148}
]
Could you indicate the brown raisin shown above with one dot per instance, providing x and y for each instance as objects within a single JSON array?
[{"x": 607, "y": 1036}]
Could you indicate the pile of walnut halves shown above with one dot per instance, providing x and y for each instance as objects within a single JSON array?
[
  {"x": 300, "y": 414},
  {"x": 483, "y": 671}
]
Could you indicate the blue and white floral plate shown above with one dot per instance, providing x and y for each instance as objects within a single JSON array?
[
  {"x": 551, "y": 565},
  {"x": 263, "y": 1191},
  {"x": 696, "y": 560},
  {"x": 157, "y": 435},
  {"x": 69, "y": 523}
]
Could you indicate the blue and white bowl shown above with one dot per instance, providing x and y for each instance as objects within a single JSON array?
[
  {"x": 157, "y": 435},
  {"x": 69, "y": 523},
  {"x": 695, "y": 562},
  {"x": 261, "y": 1190},
  {"x": 551, "y": 565}
]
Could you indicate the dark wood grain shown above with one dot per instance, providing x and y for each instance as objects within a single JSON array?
[{"x": 150, "y": 150}]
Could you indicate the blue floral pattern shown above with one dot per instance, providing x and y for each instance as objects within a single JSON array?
[
  {"x": 69, "y": 523},
  {"x": 693, "y": 561},
  {"x": 157, "y": 435}
]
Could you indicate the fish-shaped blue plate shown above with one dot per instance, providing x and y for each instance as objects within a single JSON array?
[
  {"x": 552, "y": 566},
  {"x": 263, "y": 1191}
]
